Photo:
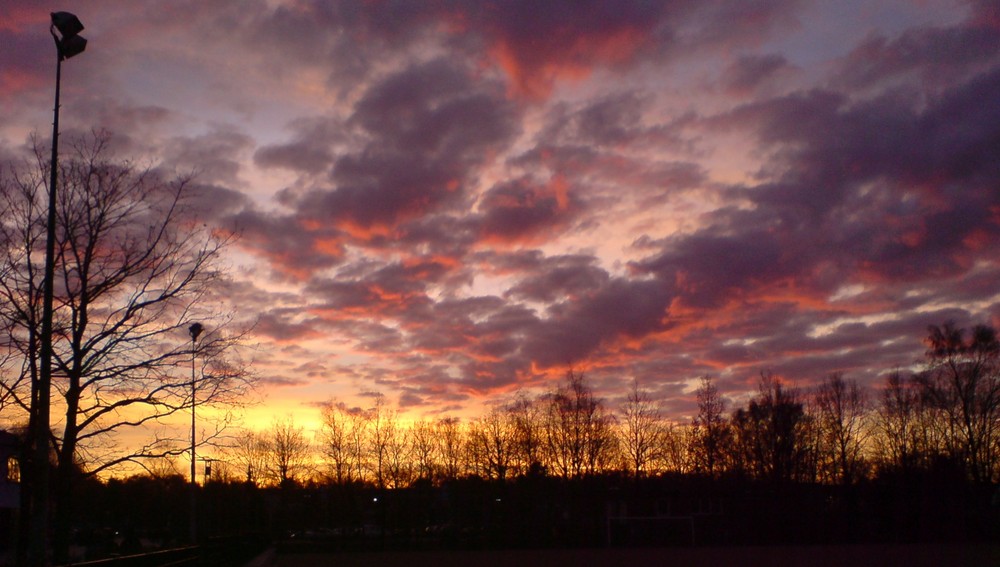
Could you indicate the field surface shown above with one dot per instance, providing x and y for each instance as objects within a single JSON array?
[{"x": 791, "y": 556}]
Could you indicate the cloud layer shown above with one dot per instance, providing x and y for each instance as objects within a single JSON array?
[{"x": 448, "y": 201}]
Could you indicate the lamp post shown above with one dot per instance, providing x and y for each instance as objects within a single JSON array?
[
  {"x": 68, "y": 44},
  {"x": 195, "y": 330}
]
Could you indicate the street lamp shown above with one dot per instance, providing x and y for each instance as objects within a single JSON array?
[
  {"x": 68, "y": 44},
  {"x": 194, "y": 330}
]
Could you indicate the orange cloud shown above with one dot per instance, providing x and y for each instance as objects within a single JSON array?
[
  {"x": 364, "y": 232},
  {"x": 534, "y": 69}
]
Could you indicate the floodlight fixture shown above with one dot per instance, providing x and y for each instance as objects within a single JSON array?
[{"x": 68, "y": 42}]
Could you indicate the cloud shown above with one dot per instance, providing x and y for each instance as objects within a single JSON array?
[
  {"x": 539, "y": 45},
  {"x": 520, "y": 209},
  {"x": 285, "y": 325},
  {"x": 217, "y": 156},
  {"x": 850, "y": 190},
  {"x": 292, "y": 249},
  {"x": 469, "y": 196},
  {"x": 312, "y": 149},
  {"x": 936, "y": 56},
  {"x": 748, "y": 72},
  {"x": 428, "y": 129},
  {"x": 559, "y": 278}
]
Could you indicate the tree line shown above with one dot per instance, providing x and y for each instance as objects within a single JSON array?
[{"x": 839, "y": 432}]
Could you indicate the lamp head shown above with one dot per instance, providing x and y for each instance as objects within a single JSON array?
[
  {"x": 67, "y": 24},
  {"x": 69, "y": 27},
  {"x": 195, "y": 329}
]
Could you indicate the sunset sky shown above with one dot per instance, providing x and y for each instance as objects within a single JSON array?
[{"x": 450, "y": 201}]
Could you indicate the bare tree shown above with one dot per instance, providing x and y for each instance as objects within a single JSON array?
[
  {"x": 578, "y": 429},
  {"x": 770, "y": 432},
  {"x": 339, "y": 433},
  {"x": 451, "y": 445},
  {"x": 841, "y": 414},
  {"x": 962, "y": 382},
  {"x": 710, "y": 435},
  {"x": 425, "y": 450},
  {"x": 674, "y": 454},
  {"x": 399, "y": 454},
  {"x": 382, "y": 434},
  {"x": 527, "y": 420},
  {"x": 492, "y": 440},
  {"x": 642, "y": 432},
  {"x": 249, "y": 452},
  {"x": 904, "y": 436},
  {"x": 288, "y": 452},
  {"x": 132, "y": 270},
  {"x": 358, "y": 427}
]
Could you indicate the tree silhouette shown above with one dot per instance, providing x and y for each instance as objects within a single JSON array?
[
  {"x": 335, "y": 442},
  {"x": 425, "y": 450},
  {"x": 962, "y": 382},
  {"x": 900, "y": 437},
  {"x": 288, "y": 452},
  {"x": 770, "y": 432},
  {"x": 642, "y": 432},
  {"x": 132, "y": 269},
  {"x": 841, "y": 414},
  {"x": 578, "y": 429},
  {"x": 451, "y": 447},
  {"x": 529, "y": 436},
  {"x": 711, "y": 435},
  {"x": 492, "y": 440},
  {"x": 249, "y": 451}
]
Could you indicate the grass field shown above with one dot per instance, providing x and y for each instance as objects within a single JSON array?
[{"x": 791, "y": 556}]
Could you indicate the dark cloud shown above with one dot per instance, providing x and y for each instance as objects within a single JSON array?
[
  {"x": 538, "y": 43},
  {"x": 312, "y": 150},
  {"x": 750, "y": 71},
  {"x": 28, "y": 57},
  {"x": 216, "y": 203},
  {"x": 429, "y": 128},
  {"x": 215, "y": 157},
  {"x": 285, "y": 324},
  {"x": 282, "y": 381},
  {"x": 611, "y": 120},
  {"x": 560, "y": 278},
  {"x": 709, "y": 269},
  {"x": 897, "y": 190},
  {"x": 846, "y": 192},
  {"x": 938, "y": 56},
  {"x": 521, "y": 209},
  {"x": 293, "y": 250},
  {"x": 621, "y": 309}
]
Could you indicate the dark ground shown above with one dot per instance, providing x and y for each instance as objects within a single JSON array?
[{"x": 917, "y": 555}]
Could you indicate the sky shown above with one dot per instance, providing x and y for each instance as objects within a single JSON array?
[{"x": 449, "y": 202}]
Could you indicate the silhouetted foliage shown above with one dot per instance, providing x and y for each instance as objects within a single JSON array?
[
  {"x": 711, "y": 435},
  {"x": 962, "y": 385},
  {"x": 578, "y": 429},
  {"x": 133, "y": 269},
  {"x": 770, "y": 436},
  {"x": 643, "y": 435},
  {"x": 841, "y": 410}
]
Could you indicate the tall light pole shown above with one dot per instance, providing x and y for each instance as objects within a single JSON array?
[
  {"x": 195, "y": 330},
  {"x": 68, "y": 44}
]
